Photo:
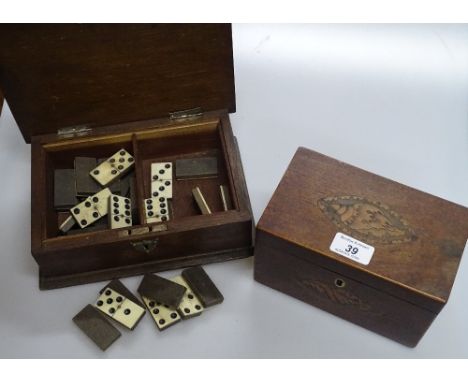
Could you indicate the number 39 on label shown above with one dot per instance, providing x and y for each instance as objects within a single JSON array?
[{"x": 351, "y": 248}]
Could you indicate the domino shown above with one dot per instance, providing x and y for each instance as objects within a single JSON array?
[
  {"x": 202, "y": 285},
  {"x": 113, "y": 168},
  {"x": 64, "y": 189},
  {"x": 125, "y": 184},
  {"x": 161, "y": 188},
  {"x": 225, "y": 198},
  {"x": 96, "y": 327},
  {"x": 120, "y": 212},
  {"x": 161, "y": 180},
  {"x": 121, "y": 309},
  {"x": 156, "y": 210},
  {"x": 115, "y": 185},
  {"x": 163, "y": 316},
  {"x": 92, "y": 209},
  {"x": 161, "y": 171},
  {"x": 101, "y": 201},
  {"x": 133, "y": 197},
  {"x": 164, "y": 291},
  {"x": 201, "y": 202},
  {"x": 194, "y": 168},
  {"x": 85, "y": 185},
  {"x": 119, "y": 287},
  {"x": 190, "y": 306},
  {"x": 67, "y": 224},
  {"x": 99, "y": 225}
]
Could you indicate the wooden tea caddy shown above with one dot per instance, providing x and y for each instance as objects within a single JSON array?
[
  {"x": 418, "y": 239},
  {"x": 162, "y": 92}
]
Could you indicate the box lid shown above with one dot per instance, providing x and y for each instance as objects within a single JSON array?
[
  {"x": 58, "y": 76},
  {"x": 1, "y": 101},
  {"x": 418, "y": 238}
]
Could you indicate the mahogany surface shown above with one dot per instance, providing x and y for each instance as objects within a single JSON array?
[
  {"x": 418, "y": 240},
  {"x": 61, "y": 75},
  {"x": 188, "y": 238}
]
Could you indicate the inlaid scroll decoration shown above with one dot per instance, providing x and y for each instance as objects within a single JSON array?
[
  {"x": 367, "y": 220},
  {"x": 338, "y": 296}
]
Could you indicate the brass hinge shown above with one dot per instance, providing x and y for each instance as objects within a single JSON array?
[
  {"x": 189, "y": 113},
  {"x": 74, "y": 131}
]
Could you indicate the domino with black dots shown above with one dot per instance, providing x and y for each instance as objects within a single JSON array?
[
  {"x": 156, "y": 210},
  {"x": 92, "y": 209},
  {"x": 113, "y": 168},
  {"x": 120, "y": 212},
  {"x": 118, "y": 307},
  {"x": 161, "y": 180},
  {"x": 163, "y": 316},
  {"x": 190, "y": 306}
]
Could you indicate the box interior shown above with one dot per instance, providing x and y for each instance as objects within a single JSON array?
[{"x": 161, "y": 144}]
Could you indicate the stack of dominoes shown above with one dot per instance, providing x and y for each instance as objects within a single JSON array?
[
  {"x": 95, "y": 188},
  {"x": 115, "y": 302},
  {"x": 168, "y": 301},
  {"x": 103, "y": 187},
  {"x": 183, "y": 297},
  {"x": 157, "y": 207}
]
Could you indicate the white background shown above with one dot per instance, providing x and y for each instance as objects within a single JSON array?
[{"x": 389, "y": 99}]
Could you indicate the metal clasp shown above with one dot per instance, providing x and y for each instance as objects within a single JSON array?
[{"x": 145, "y": 246}]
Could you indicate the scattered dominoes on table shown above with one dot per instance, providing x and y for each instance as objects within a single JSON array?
[
  {"x": 112, "y": 168},
  {"x": 161, "y": 290},
  {"x": 162, "y": 297},
  {"x": 168, "y": 301},
  {"x": 96, "y": 327},
  {"x": 120, "y": 212},
  {"x": 118, "y": 307},
  {"x": 161, "y": 180},
  {"x": 156, "y": 210},
  {"x": 163, "y": 316},
  {"x": 92, "y": 209},
  {"x": 202, "y": 285},
  {"x": 190, "y": 306}
]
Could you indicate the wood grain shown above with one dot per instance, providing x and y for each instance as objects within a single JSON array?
[
  {"x": 190, "y": 238},
  {"x": 397, "y": 319},
  {"x": 61, "y": 75},
  {"x": 418, "y": 240}
]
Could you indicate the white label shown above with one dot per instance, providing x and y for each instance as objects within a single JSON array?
[{"x": 353, "y": 249}]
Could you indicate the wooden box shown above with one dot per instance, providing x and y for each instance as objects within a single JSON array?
[
  {"x": 90, "y": 90},
  {"x": 323, "y": 209}
]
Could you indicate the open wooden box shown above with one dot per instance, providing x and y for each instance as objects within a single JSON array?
[{"x": 89, "y": 90}]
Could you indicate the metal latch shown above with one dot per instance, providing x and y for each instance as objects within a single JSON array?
[
  {"x": 74, "y": 131},
  {"x": 145, "y": 246},
  {"x": 189, "y": 113}
]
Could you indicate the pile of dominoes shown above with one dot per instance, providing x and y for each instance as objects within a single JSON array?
[
  {"x": 96, "y": 188},
  {"x": 168, "y": 301}
]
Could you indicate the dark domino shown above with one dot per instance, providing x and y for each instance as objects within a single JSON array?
[
  {"x": 85, "y": 185},
  {"x": 162, "y": 290},
  {"x": 96, "y": 327},
  {"x": 64, "y": 189},
  {"x": 196, "y": 168},
  {"x": 203, "y": 287}
]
